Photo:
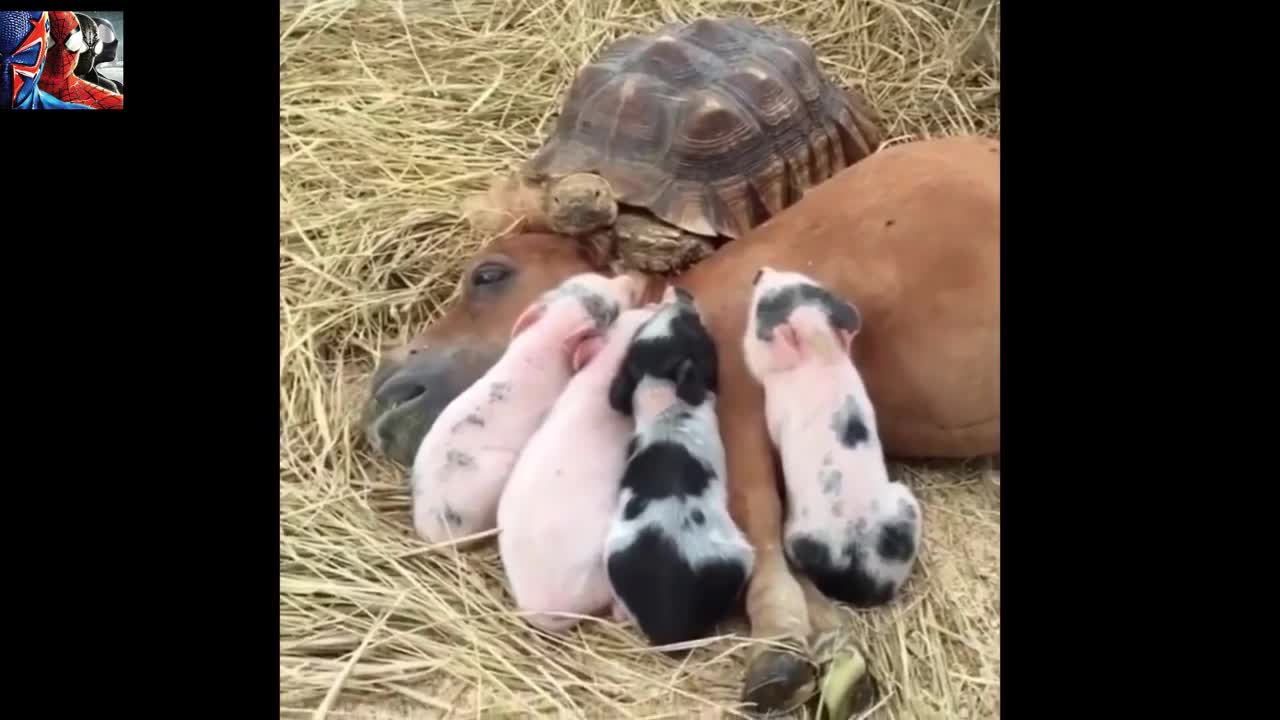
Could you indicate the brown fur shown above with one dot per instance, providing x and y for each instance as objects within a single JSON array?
[
  {"x": 911, "y": 236},
  {"x": 576, "y": 204},
  {"x": 510, "y": 203}
]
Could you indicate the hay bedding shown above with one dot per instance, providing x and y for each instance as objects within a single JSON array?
[{"x": 391, "y": 112}]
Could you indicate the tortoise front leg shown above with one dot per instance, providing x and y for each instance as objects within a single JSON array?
[
  {"x": 776, "y": 606},
  {"x": 646, "y": 244}
]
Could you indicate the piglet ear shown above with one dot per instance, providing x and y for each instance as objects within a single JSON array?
[
  {"x": 848, "y": 323},
  {"x": 531, "y": 315},
  {"x": 689, "y": 385},
  {"x": 586, "y": 350},
  {"x": 580, "y": 334},
  {"x": 846, "y": 338},
  {"x": 782, "y": 348},
  {"x": 784, "y": 334},
  {"x": 845, "y": 317}
]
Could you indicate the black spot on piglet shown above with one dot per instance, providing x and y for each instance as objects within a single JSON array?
[
  {"x": 851, "y": 583},
  {"x": 635, "y": 506},
  {"x": 499, "y": 391},
  {"x": 832, "y": 480},
  {"x": 472, "y": 419},
  {"x": 896, "y": 543},
  {"x": 670, "y": 600},
  {"x": 775, "y": 307},
  {"x": 457, "y": 458},
  {"x": 854, "y": 433},
  {"x": 452, "y": 517},
  {"x": 848, "y": 425},
  {"x": 602, "y": 312}
]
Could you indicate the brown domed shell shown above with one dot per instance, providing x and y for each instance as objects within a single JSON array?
[{"x": 712, "y": 126}]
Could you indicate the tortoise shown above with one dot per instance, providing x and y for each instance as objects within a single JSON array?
[{"x": 672, "y": 143}]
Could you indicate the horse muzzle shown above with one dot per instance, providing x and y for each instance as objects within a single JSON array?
[{"x": 407, "y": 395}]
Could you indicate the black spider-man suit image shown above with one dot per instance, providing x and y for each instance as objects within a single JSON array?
[{"x": 100, "y": 36}]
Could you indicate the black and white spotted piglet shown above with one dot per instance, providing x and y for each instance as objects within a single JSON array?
[
  {"x": 849, "y": 527},
  {"x": 676, "y": 561}
]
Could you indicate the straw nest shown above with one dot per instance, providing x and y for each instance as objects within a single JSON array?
[{"x": 391, "y": 112}]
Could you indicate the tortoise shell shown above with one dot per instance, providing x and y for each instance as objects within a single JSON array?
[{"x": 712, "y": 127}]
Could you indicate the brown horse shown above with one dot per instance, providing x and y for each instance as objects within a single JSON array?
[{"x": 911, "y": 235}]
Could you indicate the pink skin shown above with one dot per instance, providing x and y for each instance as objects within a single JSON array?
[
  {"x": 807, "y": 377},
  {"x": 555, "y": 511},
  {"x": 463, "y": 463},
  {"x": 620, "y": 614}
]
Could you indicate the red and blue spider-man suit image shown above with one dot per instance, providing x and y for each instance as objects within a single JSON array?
[
  {"x": 66, "y": 42},
  {"x": 24, "y": 45}
]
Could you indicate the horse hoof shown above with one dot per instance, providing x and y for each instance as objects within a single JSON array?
[
  {"x": 847, "y": 686},
  {"x": 775, "y": 680}
]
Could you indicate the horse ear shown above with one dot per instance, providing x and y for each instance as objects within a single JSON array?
[
  {"x": 529, "y": 316},
  {"x": 622, "y": 389},
  {"x": 482, "y": 216}
]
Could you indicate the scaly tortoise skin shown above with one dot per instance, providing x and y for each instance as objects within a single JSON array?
[{"x": 672, "y": 143}]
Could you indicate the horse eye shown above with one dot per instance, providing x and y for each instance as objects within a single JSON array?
[{"x": 490, "y": 273}]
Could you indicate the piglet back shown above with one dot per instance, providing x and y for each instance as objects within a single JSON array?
[
  {"x": 674, "y": 556},
  {"x": 670, "y": 600},
  {"x": 873, "y": 563}
]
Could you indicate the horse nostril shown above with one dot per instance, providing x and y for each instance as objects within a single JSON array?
[{"x": 398, "y": 393}]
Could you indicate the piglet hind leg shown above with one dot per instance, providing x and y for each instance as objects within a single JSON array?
[{"x": 776, "y": 608}]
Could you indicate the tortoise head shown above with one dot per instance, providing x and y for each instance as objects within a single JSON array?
[
  {"x": 413, "y": 383},
  {"x": 579, "y": 203}
]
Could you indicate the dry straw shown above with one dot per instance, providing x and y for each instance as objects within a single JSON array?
[{"x": 390, "y": 113}]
